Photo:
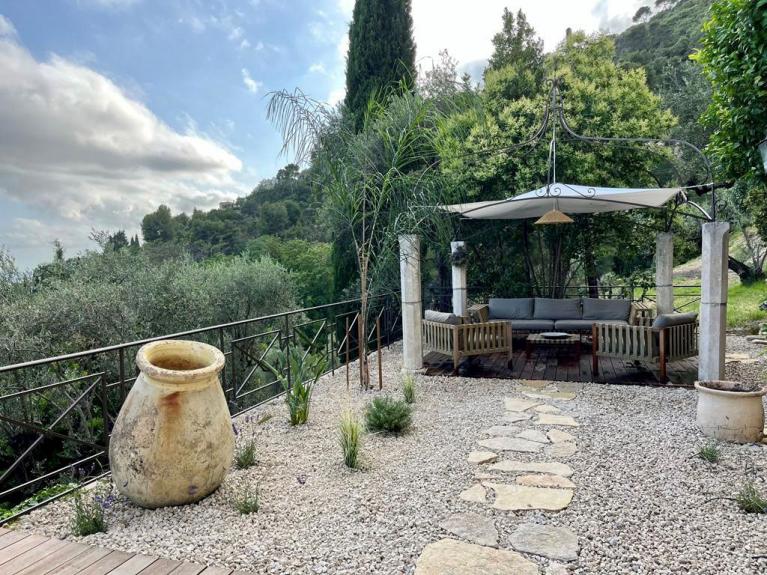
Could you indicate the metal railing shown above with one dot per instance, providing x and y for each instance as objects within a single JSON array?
[{"x": 56, "y": 413}]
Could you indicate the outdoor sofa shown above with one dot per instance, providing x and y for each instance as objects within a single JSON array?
[{"x": 573, "y": 315}]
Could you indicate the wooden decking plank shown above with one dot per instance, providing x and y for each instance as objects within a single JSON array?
[
  {"x": 134, "y": 565},
  {"x": 3, "y": 530},
  {"x": 161, "y": 567},
  {"x": 31, "y": 556},
  {"x": 12, "y": 537},
  {"x": 61, "y": 556},
  {"x": 21, "y": 546},
  {"x": 80, "y": 562},
  {"x": 106, "y": 564},
  {"x": 210, "y": 570},
  {"x": 188, "y": 569}
]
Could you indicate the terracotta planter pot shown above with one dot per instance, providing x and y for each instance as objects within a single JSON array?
[
  {"x": 736, "y": 416},
  {"x": 172, "y": 442}
]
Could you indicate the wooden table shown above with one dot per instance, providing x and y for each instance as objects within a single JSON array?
[{"x": 536, "y": 339}]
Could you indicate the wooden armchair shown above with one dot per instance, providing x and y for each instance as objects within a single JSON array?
[
  {"x": 644, "y": 343},
  {"x": 467, "y": 339}
]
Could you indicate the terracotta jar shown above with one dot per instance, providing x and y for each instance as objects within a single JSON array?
[{"x": 172, "y": 442}]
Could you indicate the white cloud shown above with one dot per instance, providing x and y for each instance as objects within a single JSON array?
[
  {"x": 7, "y": 29},
  {"x": 235, "y": 33},
  {"x": 244, "y": 44},
  {"x": 78, "y": 152},
  {"x": 317, "y": 68},
  {"x": 336, "y": 96},
  {"x": 251, "y": 84}
]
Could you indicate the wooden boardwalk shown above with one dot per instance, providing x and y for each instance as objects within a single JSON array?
[
  {"x": 560, "y": 364},
  {"x": 24, "y": 553}
]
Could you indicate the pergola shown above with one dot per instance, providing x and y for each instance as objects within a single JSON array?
[{"x": 552, "y": 202}]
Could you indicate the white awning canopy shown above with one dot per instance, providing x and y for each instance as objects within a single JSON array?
[{"x": 571, "y": 199}]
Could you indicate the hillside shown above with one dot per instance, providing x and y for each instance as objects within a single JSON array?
[{"x": 668, "y": 38}]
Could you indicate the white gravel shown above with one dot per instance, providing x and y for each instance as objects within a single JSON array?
[{"x": 642, "y": 502}]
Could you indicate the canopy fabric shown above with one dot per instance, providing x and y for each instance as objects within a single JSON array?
[{"x": 571, "y": 199}]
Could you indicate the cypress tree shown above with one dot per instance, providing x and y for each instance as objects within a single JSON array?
[{"x": 381, "y": 53}]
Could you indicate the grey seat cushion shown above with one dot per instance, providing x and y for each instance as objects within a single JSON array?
[
  {"x": 441, "y": 317},
  {"x": 511, "y": 308},
  {"x": 532, "y": 325},
  {"x": 582, "y": 325},
  {"x": 669, "y": 319},
  {"x": 547, "y": 308},
  {"x": 606, "y": 309}
]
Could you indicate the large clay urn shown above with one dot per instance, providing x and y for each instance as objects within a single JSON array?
[{"x": 172, "y": 442}]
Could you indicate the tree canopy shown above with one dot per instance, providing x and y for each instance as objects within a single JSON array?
[{"x": 381, "y": 53}]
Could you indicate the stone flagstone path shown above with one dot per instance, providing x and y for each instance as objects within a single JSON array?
[{"x": 506, "y": 488}]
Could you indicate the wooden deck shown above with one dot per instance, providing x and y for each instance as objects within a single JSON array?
[
  {"x": 23, "y": 553},
  {"x": 561, "y": 364}
]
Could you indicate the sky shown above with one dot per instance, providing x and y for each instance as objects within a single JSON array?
[{"x": 109, "y": 108}]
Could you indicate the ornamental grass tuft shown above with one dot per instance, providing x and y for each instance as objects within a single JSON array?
[
  {"x": 350, "y": 438},
  {"x": 408, "y": 389},
  {"x": 709, "y": 452},
  {"x": 246, "y": 455},
  {"x": 388, "y": 415},
  {"x": 750, "y": 500}
]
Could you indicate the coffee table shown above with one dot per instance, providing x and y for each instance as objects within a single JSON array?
[{"x": 536, "y": 340}]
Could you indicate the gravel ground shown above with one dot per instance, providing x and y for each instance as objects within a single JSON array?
[{"x": 643, "y": 504}]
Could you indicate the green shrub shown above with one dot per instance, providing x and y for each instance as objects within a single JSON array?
[
  {"x": 750, "y": 500},
  {"x": 388, "y": 415},
  {"x": 246, "y": 455},
  {"x": 709, "y": 452},
  {"x": 350, "y": 432},
  {"x": 408, "y": 389},
  {"x": 248, "y": 502},
  {"x": 88, "y": 517}
]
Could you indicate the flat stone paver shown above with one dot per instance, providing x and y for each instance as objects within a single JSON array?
[
  {"x": 557, "y": 436},
  {"x": 547, "y": 409},
  {"x": 534, "y": 435},
  {"x": 551, "y": 419},
  {"x": 472, "y": 527},
  {"x": 556, "y": 395},
  {"x": 474, "y": 494},
  {"x": 535, "y": 384},
  {"x": 521, "y": 497},
  {"x": 552, "y": 467},
  {"x": 480, "y": 457},
  {"x": 453, "y": 557},
  {"x": 511, "y": 444},
  {"x": 545, "y": 480},
  {"x": 519, "y": 405},
  {"x": 502, "y": 430},
  {"x": 514, "y": 417},
  {"x": 564, "y": 449},
  {"x": 546, "y": 540}
]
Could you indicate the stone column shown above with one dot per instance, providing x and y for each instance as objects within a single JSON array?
[
  {"x": 664, "y": 272},
  {"x": 410, "y": 280},
  {"x": 713, "y": 305},
  {"x": 460, "y": 307}
]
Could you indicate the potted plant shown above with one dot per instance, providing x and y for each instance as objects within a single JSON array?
[{"x": 731, "y": 410}]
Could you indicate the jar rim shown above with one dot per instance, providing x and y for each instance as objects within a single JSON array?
[{"x": 179, "y": 362}]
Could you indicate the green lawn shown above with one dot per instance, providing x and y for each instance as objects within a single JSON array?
[{"x": 742, "y": 306}]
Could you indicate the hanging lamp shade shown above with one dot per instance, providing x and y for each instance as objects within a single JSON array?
[{"x": 554, "y": 217}]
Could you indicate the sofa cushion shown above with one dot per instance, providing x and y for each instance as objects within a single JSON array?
[
  {"x": 547, "y": 308},
  {"x": 582, "y": 325},
  {"x": 532, "y": 325},
  {"x": 442, "y": 317},
  {"x": 669, "y": 319},
  {"x": 606, "y": 309},
  {"x": 511, "y": 308}
]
